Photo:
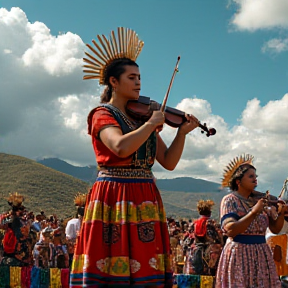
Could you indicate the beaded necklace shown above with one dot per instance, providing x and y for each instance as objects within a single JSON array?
[{"x": 117, "y": 111}]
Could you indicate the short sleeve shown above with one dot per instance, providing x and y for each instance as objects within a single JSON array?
[
  {"x": 102, "y": 118},
  {"x": 228, "y": 210}
]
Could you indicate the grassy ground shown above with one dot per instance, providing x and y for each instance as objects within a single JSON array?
[{"x": 53, "y": 192}]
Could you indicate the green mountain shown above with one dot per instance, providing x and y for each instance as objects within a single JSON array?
[
  {"x": 188, "y": 184},
  {"x": 88, "y": 174},
  {"x": 44, "y": 188},
  {"x": 53, "y": 191},
  {"x": 180, "y": 195}
]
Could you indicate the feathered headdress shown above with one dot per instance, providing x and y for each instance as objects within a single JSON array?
[
  {"x": 205, "y": 205},
  {"x": 233, "y": 166},
  {"x": 80, "y": 199},
  {"x": 15, "y": 199},
  {"x": 126, "y": 45}
]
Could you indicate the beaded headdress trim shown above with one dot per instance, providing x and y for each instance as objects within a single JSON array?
[
  {"x": 126, "y": 45},
  {"x": 233, "y": 166}
]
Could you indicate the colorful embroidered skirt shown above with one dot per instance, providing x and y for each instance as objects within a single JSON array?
[{"x": 124, "y": 239}]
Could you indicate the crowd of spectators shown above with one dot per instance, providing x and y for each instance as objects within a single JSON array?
[
  {"x": 196, "y": 243},
  {"x": 40, "y": 240},
  {"x": 48, "y": 242}
]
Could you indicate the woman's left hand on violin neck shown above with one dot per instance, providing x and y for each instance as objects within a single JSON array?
[{"x": 191, "y": 124}]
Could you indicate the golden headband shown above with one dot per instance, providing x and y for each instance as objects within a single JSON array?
[
  {"x": 128, "y": 45},
  {"x": 233, "y": 166}
]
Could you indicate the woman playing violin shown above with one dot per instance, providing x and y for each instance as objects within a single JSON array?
[
  {"x": 246, "y": 260},
  {"x": 124, "y": 238}
]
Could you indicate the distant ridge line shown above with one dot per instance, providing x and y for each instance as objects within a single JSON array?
[
  {"x": 88, "y": 174},
  {"x": 53, "y": 190}
]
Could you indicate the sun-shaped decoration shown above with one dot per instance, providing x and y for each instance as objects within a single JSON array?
[
  {"x": 126, "y": 45},
  {"x": 233, "y": 166}
]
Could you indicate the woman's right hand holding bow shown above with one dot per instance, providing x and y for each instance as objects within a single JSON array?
[{"x": 157, "y": 120}]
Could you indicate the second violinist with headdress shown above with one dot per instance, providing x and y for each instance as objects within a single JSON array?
[
  {"x": 124, "y": 238},
  {"x": 246, "y": 260}
]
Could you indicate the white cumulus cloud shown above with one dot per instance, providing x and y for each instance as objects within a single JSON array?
[
  {"x": 261, "y": 14},
  {"x": 253, "y": 15},
  {"x": 275, "y": 46},
  {"x": 262, "y": 131},
  {"x": 45, "y": 103}
]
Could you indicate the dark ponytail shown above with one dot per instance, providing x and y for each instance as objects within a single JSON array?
[{"x": 106, "y": 95}]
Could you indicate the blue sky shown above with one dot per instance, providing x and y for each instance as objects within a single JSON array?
[
  {"x": 233, "y": 75},
  {"x": 218, "y": 63}
]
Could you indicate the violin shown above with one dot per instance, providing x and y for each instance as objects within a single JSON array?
[
  {"x": 271, "y": 199},
  {"x": 143, "y": 108}
]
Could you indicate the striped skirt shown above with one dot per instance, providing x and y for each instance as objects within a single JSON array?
[{"x": 124, "y": 239}]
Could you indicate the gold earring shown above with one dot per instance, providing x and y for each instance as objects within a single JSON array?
[{"x": 113, "y": 91}]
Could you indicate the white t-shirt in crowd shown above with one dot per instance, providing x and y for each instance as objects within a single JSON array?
[{"x": 72, "y": 228}]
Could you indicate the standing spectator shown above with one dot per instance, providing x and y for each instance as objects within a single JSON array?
[
  {"x": 17, "y": 244},
  {"x": 43, "y": 251},
  {"x": 203, "y": 255},
  {"x": 60, "y": 253},
  {"x": 73, "y": 225}
]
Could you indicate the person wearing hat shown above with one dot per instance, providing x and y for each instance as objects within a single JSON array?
[
  {"x": 203, "y": 255},
  {"x": 17, "y": 240}
]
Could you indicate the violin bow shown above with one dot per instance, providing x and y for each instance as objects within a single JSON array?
[
  {"x": 162, "y": 109},
  {"x": 210, "y": 131}
]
